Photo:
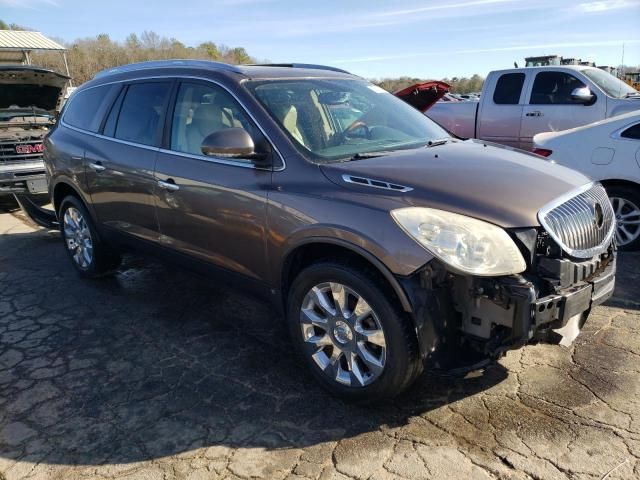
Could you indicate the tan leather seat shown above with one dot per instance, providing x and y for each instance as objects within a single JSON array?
[
  {"x": 289, "y": 119},
  {"x": 207, "y": 119}
]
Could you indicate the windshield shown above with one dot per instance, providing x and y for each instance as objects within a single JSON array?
[
  {"x": 337, "y": 119},
  {"x": 612, "y": 86}
]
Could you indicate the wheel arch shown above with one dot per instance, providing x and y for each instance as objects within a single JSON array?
[
  {"x": 618, "y": 182},
  {"x": 314, "y": 249},
  {"x": 63, "y": 189}
]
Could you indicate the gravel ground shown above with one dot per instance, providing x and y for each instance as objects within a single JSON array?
[{"x": 159, "y": 374}]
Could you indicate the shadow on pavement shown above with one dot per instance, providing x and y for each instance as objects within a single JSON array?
[{"x": 155, "y": 362}]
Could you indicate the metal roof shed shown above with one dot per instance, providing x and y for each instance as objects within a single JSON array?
[{"x": 17, "y": 45}]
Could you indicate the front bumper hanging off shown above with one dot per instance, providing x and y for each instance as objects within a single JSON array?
[{"x": 463, "y": 321}]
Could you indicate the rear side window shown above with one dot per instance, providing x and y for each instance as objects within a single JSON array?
[
  {"x": 554, "y": 88},
  {"x": 142, "y": 112},
  {"x": 86, "y": 108},
  {"x": 508, "y": 89},
  {"x": 632, "y": 132}
]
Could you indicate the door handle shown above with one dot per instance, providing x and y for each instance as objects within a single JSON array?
[
  {"x": 97, "y": 166},
  {"x": 169, "y": 185},
  {"x": 534, "y": 114}
]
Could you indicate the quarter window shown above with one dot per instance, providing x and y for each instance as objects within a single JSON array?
[
  {"x": 554, "y": 88},
  {"x": 142, "y": 111},
  {"x": 202, "y": 110},
  {"x": 86, "y": 108},
  {"x": 632, "y": 132},
  {"x": 508, "y": 89}
]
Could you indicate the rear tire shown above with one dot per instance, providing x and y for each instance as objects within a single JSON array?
[
  {"x": 350, "y": 332},
  {"x": 91, "y": 257},
  {"x": 626, "y": 206}
]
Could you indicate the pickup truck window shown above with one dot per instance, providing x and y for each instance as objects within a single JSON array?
[
  {"x": 612, "y": 86},
  {"x": 508, "y": 89},
  {"x": 554, "y": 88}
]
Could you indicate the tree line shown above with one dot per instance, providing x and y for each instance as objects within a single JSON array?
[
  {"x": 458, "y": 84},
  {"x": 88, "y": 56}
]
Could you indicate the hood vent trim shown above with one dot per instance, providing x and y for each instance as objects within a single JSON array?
[{"x": 370, "y": 182}]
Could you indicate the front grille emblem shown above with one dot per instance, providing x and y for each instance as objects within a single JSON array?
[{"x": 598, "y": 216}]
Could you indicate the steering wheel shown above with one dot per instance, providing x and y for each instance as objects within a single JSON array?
[{"x": 358, "y": 124}]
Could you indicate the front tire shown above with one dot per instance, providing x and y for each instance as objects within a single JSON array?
[
  {"x": 90, "y": 256},
  {"x": 351, "y": 334},
  {"x": 626, "y": 207}
]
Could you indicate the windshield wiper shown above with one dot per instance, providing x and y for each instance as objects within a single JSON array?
[
  {"x": 439, "y": 141},
  {"x": 363, "y": 156},
  {"x": 632, "y": 94}
]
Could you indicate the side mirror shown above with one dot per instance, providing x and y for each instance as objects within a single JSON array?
[
  {"x": 582, "y": 95},
  {"x": 229, "y": 143}
]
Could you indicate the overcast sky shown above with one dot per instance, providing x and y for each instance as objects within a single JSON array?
[{"x": 371, "y": 38}]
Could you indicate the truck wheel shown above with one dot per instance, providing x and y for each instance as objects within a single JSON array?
[
  {"x": 626, "y": 207},
  {"x": 358, "y": 344},
  {"x": 90, "y": 256}
]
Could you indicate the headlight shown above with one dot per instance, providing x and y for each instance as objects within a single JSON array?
[{"x": 464, "y": 243}]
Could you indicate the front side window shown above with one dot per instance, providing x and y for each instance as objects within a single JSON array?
[
  {"x": 633, "y": 132},
  {"x": 335, "y": 119},
  {"x": 554, "y": 88},
  {"x": 85, "y": 107},
  {"x": 142, "y": 111},
  {"x": 201, "y": 110},
  {"x": 508, "y": 89}
]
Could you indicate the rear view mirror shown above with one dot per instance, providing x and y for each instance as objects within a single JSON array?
[
  {"x": 582, "y": 95},
  {"x": 233, "y": 143},
  {"x": 229, "y": 142}
]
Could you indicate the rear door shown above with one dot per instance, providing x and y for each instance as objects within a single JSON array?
[
  {"x": 499, "y": 115},
  {"x": 122, "y": 159},
  {"x": 550, "y": 107}
]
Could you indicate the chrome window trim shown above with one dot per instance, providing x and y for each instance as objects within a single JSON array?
[
  {"x": 587, "y": 253},
  {"x": 222, "y": 161},
  {"x": 188, "y": 77}
]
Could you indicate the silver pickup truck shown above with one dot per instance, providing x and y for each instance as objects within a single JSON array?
[
  {"x": 29, "y": 99},
  {"x": 517, "y": 104}
]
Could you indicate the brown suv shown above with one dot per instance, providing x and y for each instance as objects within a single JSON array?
[{"x": 389, "y": 245}]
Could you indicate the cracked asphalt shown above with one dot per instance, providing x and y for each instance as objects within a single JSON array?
[{"x": 159, "y": 374}]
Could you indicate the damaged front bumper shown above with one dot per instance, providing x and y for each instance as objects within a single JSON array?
[{"x": 463, "y": 321}]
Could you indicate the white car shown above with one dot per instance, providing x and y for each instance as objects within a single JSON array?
[{"x": 608, "y": 151}]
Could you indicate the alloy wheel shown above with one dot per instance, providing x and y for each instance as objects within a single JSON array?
[
  {"x": 78, "y": 237},
  {"x": 343, "y": 334},
  {"x": 628, "y": 220}
]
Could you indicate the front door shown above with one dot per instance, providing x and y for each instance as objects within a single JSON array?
[
  {"x": 121, "y": 161},
  {"x": 211, "y": 208},
  {"x": 551, "y": 108}
]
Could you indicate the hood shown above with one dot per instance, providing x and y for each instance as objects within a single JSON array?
[
  {"x": 24, "y": 86},
  {"x": 423, "y": 95},
  {"x": 500, "y": 185}
]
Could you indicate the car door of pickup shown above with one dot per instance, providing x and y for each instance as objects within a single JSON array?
[{"x": 550, "y": 108}]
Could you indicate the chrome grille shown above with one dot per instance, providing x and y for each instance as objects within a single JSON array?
[
  {"x": 8, "y": 152},
  {"x": 582, "y": 223}
]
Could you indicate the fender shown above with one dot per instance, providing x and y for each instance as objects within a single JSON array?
[{"x": 359, "y": 250}]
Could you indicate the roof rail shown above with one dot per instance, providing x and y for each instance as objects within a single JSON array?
[
  {"x": 177, "y": 63},
  {"x": 300, "y": 65}
]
